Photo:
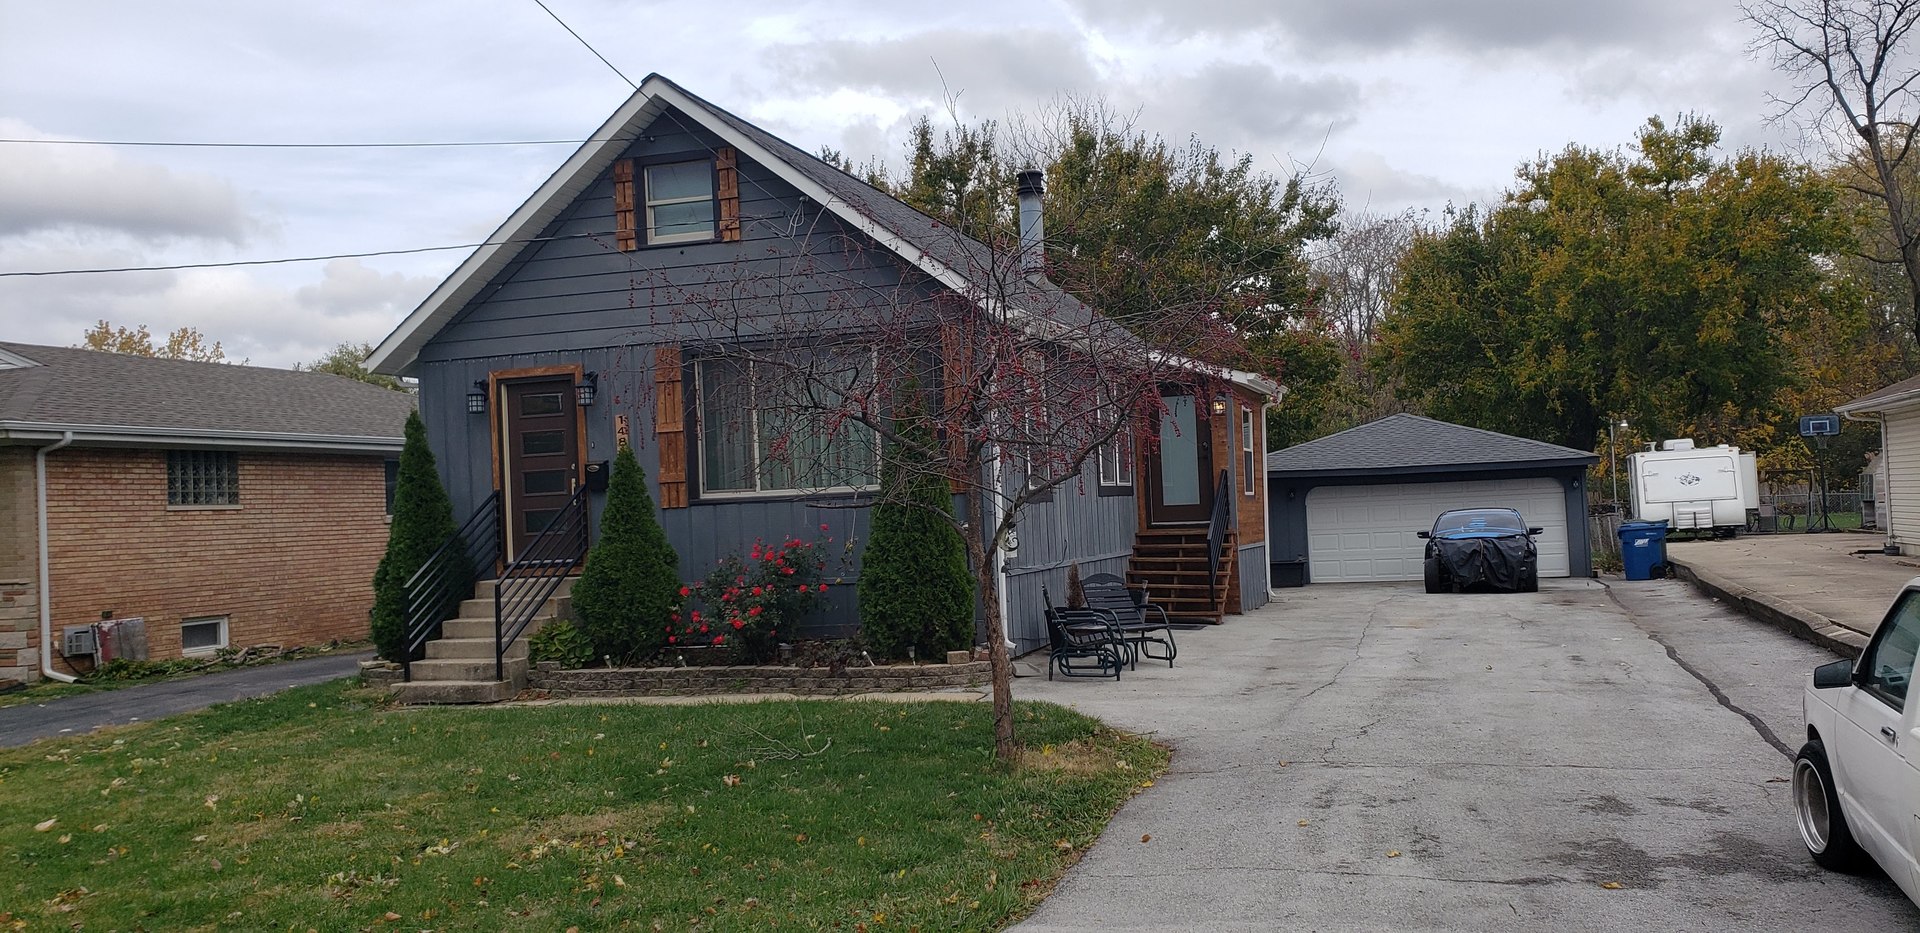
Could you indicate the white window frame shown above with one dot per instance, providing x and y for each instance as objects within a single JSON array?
[
  {"x": 1249, "y": 459},
  {"x": 1117, "y": 453},
  {"x": 756, "y": 458},
  {"x": 646, "y": 184},
  {"x": 203, "y": 620}
]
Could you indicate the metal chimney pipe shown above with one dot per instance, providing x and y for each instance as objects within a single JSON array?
[{"x": 1033, "y": 229}]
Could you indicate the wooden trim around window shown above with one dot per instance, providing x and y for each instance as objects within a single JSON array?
[
  {"x": 625, "y": 233},
  {"x": 670, "y": 426}
]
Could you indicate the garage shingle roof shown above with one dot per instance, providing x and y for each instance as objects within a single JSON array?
[
  {"x": 70, "y": 386},
  {"x": 1411, "y": 443}
]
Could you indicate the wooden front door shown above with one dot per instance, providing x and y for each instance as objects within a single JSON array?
[
  {"x": 1180, "y": 471},
  {"x": 540, "y": 454}
]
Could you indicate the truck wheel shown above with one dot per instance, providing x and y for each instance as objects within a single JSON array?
[
  {"x": 1434, "y": 582},
  {"x": 1823, "y": 827}
]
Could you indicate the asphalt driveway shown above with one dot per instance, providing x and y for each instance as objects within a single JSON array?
[
  {"x": 1368, "y": 757},
  {"x": 144, "y": 702}
]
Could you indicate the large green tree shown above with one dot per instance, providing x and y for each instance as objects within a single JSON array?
[
  {"x": 422, "y": 521},
  {"x": 1654, "y": 287},
  {"x": 350, "y": 360},
  {"x": 1137, "y": 225}
]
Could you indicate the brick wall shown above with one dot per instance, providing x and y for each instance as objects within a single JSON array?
[
  {"x": 292, "y": 565},
  {"x": 19, "y": 566}
]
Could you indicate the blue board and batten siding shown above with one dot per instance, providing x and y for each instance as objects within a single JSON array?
[{"x": 580, "y": 301}]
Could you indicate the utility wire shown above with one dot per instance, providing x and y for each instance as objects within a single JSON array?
[
  {"x": 202, "y": 145},
  {"x": 589, "y": 45},
  {"x": 291, "y": 259}
]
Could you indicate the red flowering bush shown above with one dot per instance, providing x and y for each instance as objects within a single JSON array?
[{"x": 745, "y": 603}]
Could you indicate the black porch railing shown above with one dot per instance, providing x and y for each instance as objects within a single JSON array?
[
  {"x": 1217, "y": 536},
  {"x": 536, "y": 574},
  {"x": 447, "y": 577}
]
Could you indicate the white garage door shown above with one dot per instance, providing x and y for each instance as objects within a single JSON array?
[{"x": 1366, "y": 533}]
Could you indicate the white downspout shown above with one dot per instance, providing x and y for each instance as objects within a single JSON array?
[
  {"x": 1266, "y": 496},
  {"x": 46, "y": 588},
  {"x": 994, "y": 514}
]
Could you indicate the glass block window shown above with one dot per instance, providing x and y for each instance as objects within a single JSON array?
[{"x": 203, "y": 477}]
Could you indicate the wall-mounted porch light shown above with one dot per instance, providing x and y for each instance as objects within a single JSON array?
[
  {"x": 586, "y": 389},
  {"x": 1220, "y": 405},
  {"x": 477, "y": 399}
]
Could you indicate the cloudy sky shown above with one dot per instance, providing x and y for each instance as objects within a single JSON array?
[{"x": 1402, "y": 103}]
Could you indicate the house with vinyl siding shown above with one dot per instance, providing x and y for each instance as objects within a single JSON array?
[
  {"x": 593, "y": 319},
  {"x": 1895, "y": 412}
]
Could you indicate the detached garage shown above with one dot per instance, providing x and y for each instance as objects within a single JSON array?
[{"x": 1345, "y": 508}]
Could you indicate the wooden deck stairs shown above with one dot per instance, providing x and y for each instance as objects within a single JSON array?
[{"x": 1171, "y": 565}]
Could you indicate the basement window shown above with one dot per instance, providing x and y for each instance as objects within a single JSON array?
[
  {"x": 203, "y": 478},
  {"x": 203, "y": 636}
]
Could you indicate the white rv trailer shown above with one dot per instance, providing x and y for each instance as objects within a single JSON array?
[{"x": 1694, "y": 488}]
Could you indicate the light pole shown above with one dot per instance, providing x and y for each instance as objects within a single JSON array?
[{"x": 1613, "y": 461}]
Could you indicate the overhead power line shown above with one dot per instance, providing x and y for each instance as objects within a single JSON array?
[
  {"x": 292, "y": 259},
  {"x": 209, "y": 145},
  {"x": 589, "y": 45}
]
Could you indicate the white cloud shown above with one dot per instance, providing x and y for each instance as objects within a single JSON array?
[{"x": 87, "y": 189}]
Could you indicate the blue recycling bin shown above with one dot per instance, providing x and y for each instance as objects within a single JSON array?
[{"x": 1643, "y": 549}]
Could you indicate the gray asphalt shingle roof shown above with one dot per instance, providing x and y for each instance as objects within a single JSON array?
[
  {"x": 88, "y": 387},
  {"x": 1412, "y": 443},
  {"x": 1873, "y": 400}
]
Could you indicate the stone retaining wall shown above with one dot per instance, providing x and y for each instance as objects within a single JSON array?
[{"x": 547, "y": 678}]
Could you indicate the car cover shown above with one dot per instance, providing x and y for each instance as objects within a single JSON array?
[{"x": 1495, "y": 561}]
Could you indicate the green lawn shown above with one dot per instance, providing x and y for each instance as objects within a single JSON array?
[{"x": 314, "y": 809}]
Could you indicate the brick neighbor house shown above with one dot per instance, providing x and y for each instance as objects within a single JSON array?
[{"x": 224, "y": 506}]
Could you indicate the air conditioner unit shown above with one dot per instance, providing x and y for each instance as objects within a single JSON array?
[{"x": 79, "y": 640}]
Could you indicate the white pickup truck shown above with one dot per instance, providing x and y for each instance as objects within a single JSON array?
[{"x": 1856, "y": 783}]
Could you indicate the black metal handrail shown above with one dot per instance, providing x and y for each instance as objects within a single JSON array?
[
  {"x": 447, "y": 577},
  {"x": 1217, "y": 536},
  {"x": 535, "y": 574}
]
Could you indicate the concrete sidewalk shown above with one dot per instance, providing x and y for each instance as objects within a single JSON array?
[{"x": 1813, "y": 585}]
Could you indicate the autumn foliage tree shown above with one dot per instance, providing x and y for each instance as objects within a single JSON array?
[
  {"x": 185, "y": 343},
  {"x": 1658, "y": 287}
]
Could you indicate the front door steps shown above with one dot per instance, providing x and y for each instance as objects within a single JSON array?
[
  {"x": 1170, "y": 563},
  {"x": 459, "y": 666}
]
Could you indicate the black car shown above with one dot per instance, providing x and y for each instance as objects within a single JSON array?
[{"x": 1481, "y": 547}]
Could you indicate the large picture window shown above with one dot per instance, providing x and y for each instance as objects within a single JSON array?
[
  {"x": 203, "y": 477},
  {"x": 778, "y": 424},
  {"x": 679, "y": 202}
]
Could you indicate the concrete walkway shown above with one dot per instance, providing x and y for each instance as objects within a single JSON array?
[
  {"x": 89, "y": 711},
  {"x": 1813, "y": 585}
]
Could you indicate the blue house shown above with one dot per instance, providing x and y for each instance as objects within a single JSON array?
[{"x": 604, "y": 309}]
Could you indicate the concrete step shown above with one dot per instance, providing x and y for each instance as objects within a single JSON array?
[
  {"x": 459, "y": 669},
  {"x": 561, "y": 606},
  {"x": 483, "y": 628},
  {"x": 453, "y": 691},
  {"x": 484, "y": 588},
  {"x": 473, "y": 648}
]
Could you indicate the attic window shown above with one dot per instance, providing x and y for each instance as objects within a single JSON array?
[{"x": 679, "y": 202}]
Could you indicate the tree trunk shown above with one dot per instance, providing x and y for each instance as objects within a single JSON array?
[{"x": 1004, "y": 747}]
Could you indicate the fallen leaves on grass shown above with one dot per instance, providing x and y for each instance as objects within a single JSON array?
[{"x": 45, "y": 825}]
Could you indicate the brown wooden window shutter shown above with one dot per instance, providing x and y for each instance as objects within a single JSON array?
[
  {"x": 626, "y": 235},
  {"x": 670, "y": 427},
  {"x": 956, "y": 373},
  {"x": 728, "y": 164}
]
